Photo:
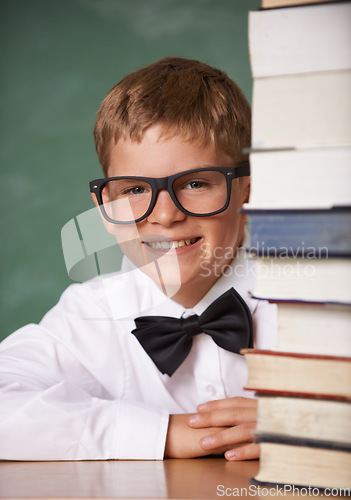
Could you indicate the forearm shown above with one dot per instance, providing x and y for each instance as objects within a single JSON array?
[{"x": 64, "y": 422}]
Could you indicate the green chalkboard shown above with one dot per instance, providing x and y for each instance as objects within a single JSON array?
[{"x": 58, "y": 60}]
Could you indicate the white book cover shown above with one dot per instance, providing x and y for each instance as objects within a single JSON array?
[
  {"x": 314, "y": 280},
  {"x": 301, "y": 179},
  {"x": 300, "y": 39},
  {"x": 302, "y": 110}
]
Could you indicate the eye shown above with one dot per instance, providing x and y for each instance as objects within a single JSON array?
[
  {"x": 195, "y": 185},
  {"x": 133, "y": 190},
  {"x": 136, "y": 190}
]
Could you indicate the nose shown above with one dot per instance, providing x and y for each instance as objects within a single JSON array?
[{"x": 165, "y": 212}]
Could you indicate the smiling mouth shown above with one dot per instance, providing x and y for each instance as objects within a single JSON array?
[{"x": 171, "y": 245}]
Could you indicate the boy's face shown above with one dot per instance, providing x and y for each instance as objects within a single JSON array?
[{"x": 205, "y": 244}]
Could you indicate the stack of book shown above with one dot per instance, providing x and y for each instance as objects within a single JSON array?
[{"x": 300, "y": 221}]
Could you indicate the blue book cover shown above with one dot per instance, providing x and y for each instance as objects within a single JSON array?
[{"x": 298, "y": 232}]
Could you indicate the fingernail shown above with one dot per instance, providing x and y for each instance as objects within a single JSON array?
[
  {"x": 194, "y": 419},
  {"x": 202, "y": 407},
  {"x": 208, "y": 442},
  {"x": 230, "y": 455}
]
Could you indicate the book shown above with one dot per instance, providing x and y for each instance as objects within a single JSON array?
[
  {"x": 271, "y": 4},
  {"x": 324, "y": 420},
  {"x": 301, "y": 464},
  {"x": 299, "y": 40},
  {"x": 302, "y": 110},
  {"x": 300, "y": 179},
  {"x": 314, "y": 328},
  {"x": 300, "y": 232},
  {"x": 300, "y": 220},
  {"x": 298, "y": 373},
  {"x": 309, "y": 278}
]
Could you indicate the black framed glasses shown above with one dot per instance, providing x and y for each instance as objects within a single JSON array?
[{"x": 200, "y": 192}]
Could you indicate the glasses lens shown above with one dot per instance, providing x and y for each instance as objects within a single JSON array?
[
  {"x": 126, "y": 200},
  {"x": 201, "y": 192}
]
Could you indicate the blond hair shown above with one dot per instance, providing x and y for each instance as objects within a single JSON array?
[{"x": 186, "y": 97}]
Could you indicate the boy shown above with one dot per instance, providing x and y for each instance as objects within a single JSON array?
[{"x": 107, "y": 374}]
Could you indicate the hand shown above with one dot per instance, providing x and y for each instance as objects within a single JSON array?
[
  {"x": 237, "y": 417},
  {"x": 184, "y": 441}
]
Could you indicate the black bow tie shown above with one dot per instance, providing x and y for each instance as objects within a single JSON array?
[{"x": 168, "y": 340}]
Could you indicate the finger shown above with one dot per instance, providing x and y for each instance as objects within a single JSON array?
[
  {"x": 228, "y": 437},
  {"x": 223, "y": 418},
  {"x": 220, "y": 404},
  {"x": 250, "y": 451}
]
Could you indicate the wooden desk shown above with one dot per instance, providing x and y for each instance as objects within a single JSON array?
[{"x": 175, "y": 479}]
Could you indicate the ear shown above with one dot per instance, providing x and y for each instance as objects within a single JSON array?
[
  {"x": 108, "y": 225},
  {"x": 246, "y": 196},
  {"x": 245, "y": 189}
]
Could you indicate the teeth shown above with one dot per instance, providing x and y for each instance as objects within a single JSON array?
[{"x": 168, "y": 245}]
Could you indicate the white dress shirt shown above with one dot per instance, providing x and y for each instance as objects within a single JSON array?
[{"x": 79, "y": 386}]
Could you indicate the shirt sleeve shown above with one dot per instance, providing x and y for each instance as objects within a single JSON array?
[{"x": 52, "y": 408}]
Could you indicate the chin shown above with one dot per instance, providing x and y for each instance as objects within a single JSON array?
[{"x": 165, "y": 272}]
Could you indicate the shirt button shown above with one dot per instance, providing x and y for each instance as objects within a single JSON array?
[{"x": 211, "y": 390}]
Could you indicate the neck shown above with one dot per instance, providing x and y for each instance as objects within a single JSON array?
[{"x": 189, "y": 295}]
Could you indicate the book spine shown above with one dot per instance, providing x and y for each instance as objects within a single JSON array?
[
  {"x": 294, "y": 441},
  {"x": 300, "y": 232}
]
